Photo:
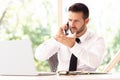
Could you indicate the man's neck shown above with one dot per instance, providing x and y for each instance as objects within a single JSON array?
[{"x": 82, "y": 33}]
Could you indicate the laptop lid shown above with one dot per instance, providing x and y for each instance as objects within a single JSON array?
[{"x": 16, "y": 58}]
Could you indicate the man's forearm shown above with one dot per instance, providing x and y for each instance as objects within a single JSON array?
[{"x": 46, "y": 49}]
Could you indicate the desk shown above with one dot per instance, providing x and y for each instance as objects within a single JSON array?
[{"x": 115, "y": 76}]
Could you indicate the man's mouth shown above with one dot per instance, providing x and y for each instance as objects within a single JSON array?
[{"x": 73, "y": 29}]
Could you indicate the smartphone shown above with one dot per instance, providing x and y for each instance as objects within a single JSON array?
[{"x": 66, "y": 30}]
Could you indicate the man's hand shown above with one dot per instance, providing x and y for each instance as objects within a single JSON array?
[{"x": 67, "y": 40}]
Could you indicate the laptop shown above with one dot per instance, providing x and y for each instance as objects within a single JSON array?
[{"x": 16, "y": 58}]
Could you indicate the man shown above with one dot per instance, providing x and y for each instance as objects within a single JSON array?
[{"x": 87, "y": 52}]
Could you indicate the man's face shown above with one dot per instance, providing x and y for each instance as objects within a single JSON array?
[{"x": 76, "y": 22}]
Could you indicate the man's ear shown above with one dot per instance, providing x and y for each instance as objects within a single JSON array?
[{"x": 86, "y": 21}]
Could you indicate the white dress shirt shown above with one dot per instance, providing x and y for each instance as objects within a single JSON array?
[{"x": 89, "y": 52}]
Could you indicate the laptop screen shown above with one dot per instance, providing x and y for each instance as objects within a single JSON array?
[{"x": 16, "y": 58}]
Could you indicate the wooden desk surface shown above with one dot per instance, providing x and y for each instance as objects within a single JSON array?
[{"x": 114, "y": 76}]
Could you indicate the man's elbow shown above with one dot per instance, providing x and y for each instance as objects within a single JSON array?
[
  {"x": 96, "y": 63},
  {"x": 39, "y": 56}
]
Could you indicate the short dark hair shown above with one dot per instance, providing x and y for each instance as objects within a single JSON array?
[{"x": 80, "y": 7}]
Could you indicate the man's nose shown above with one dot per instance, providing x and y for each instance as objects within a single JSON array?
[{"x": 72, "y": 23}]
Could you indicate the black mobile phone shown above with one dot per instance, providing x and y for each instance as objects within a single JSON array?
[{"x": 66, "y": 30}]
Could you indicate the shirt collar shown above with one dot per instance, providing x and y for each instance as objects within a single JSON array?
[{"x": 83, "y": 37}]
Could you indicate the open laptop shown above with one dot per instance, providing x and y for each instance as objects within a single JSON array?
[{"x": 16, "y": 58}]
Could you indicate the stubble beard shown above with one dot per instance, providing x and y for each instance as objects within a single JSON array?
[{"x": 80, "y": 30}]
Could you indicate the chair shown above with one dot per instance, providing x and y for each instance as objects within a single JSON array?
[
  {"x": 53, "y": 62},
  {"x": 113, "y": 62}
]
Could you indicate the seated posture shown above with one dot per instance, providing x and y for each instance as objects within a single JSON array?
[{"x": 77, "y": 48}]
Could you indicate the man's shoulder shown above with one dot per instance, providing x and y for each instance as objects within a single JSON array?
[{"x": 93, "y": 34}]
